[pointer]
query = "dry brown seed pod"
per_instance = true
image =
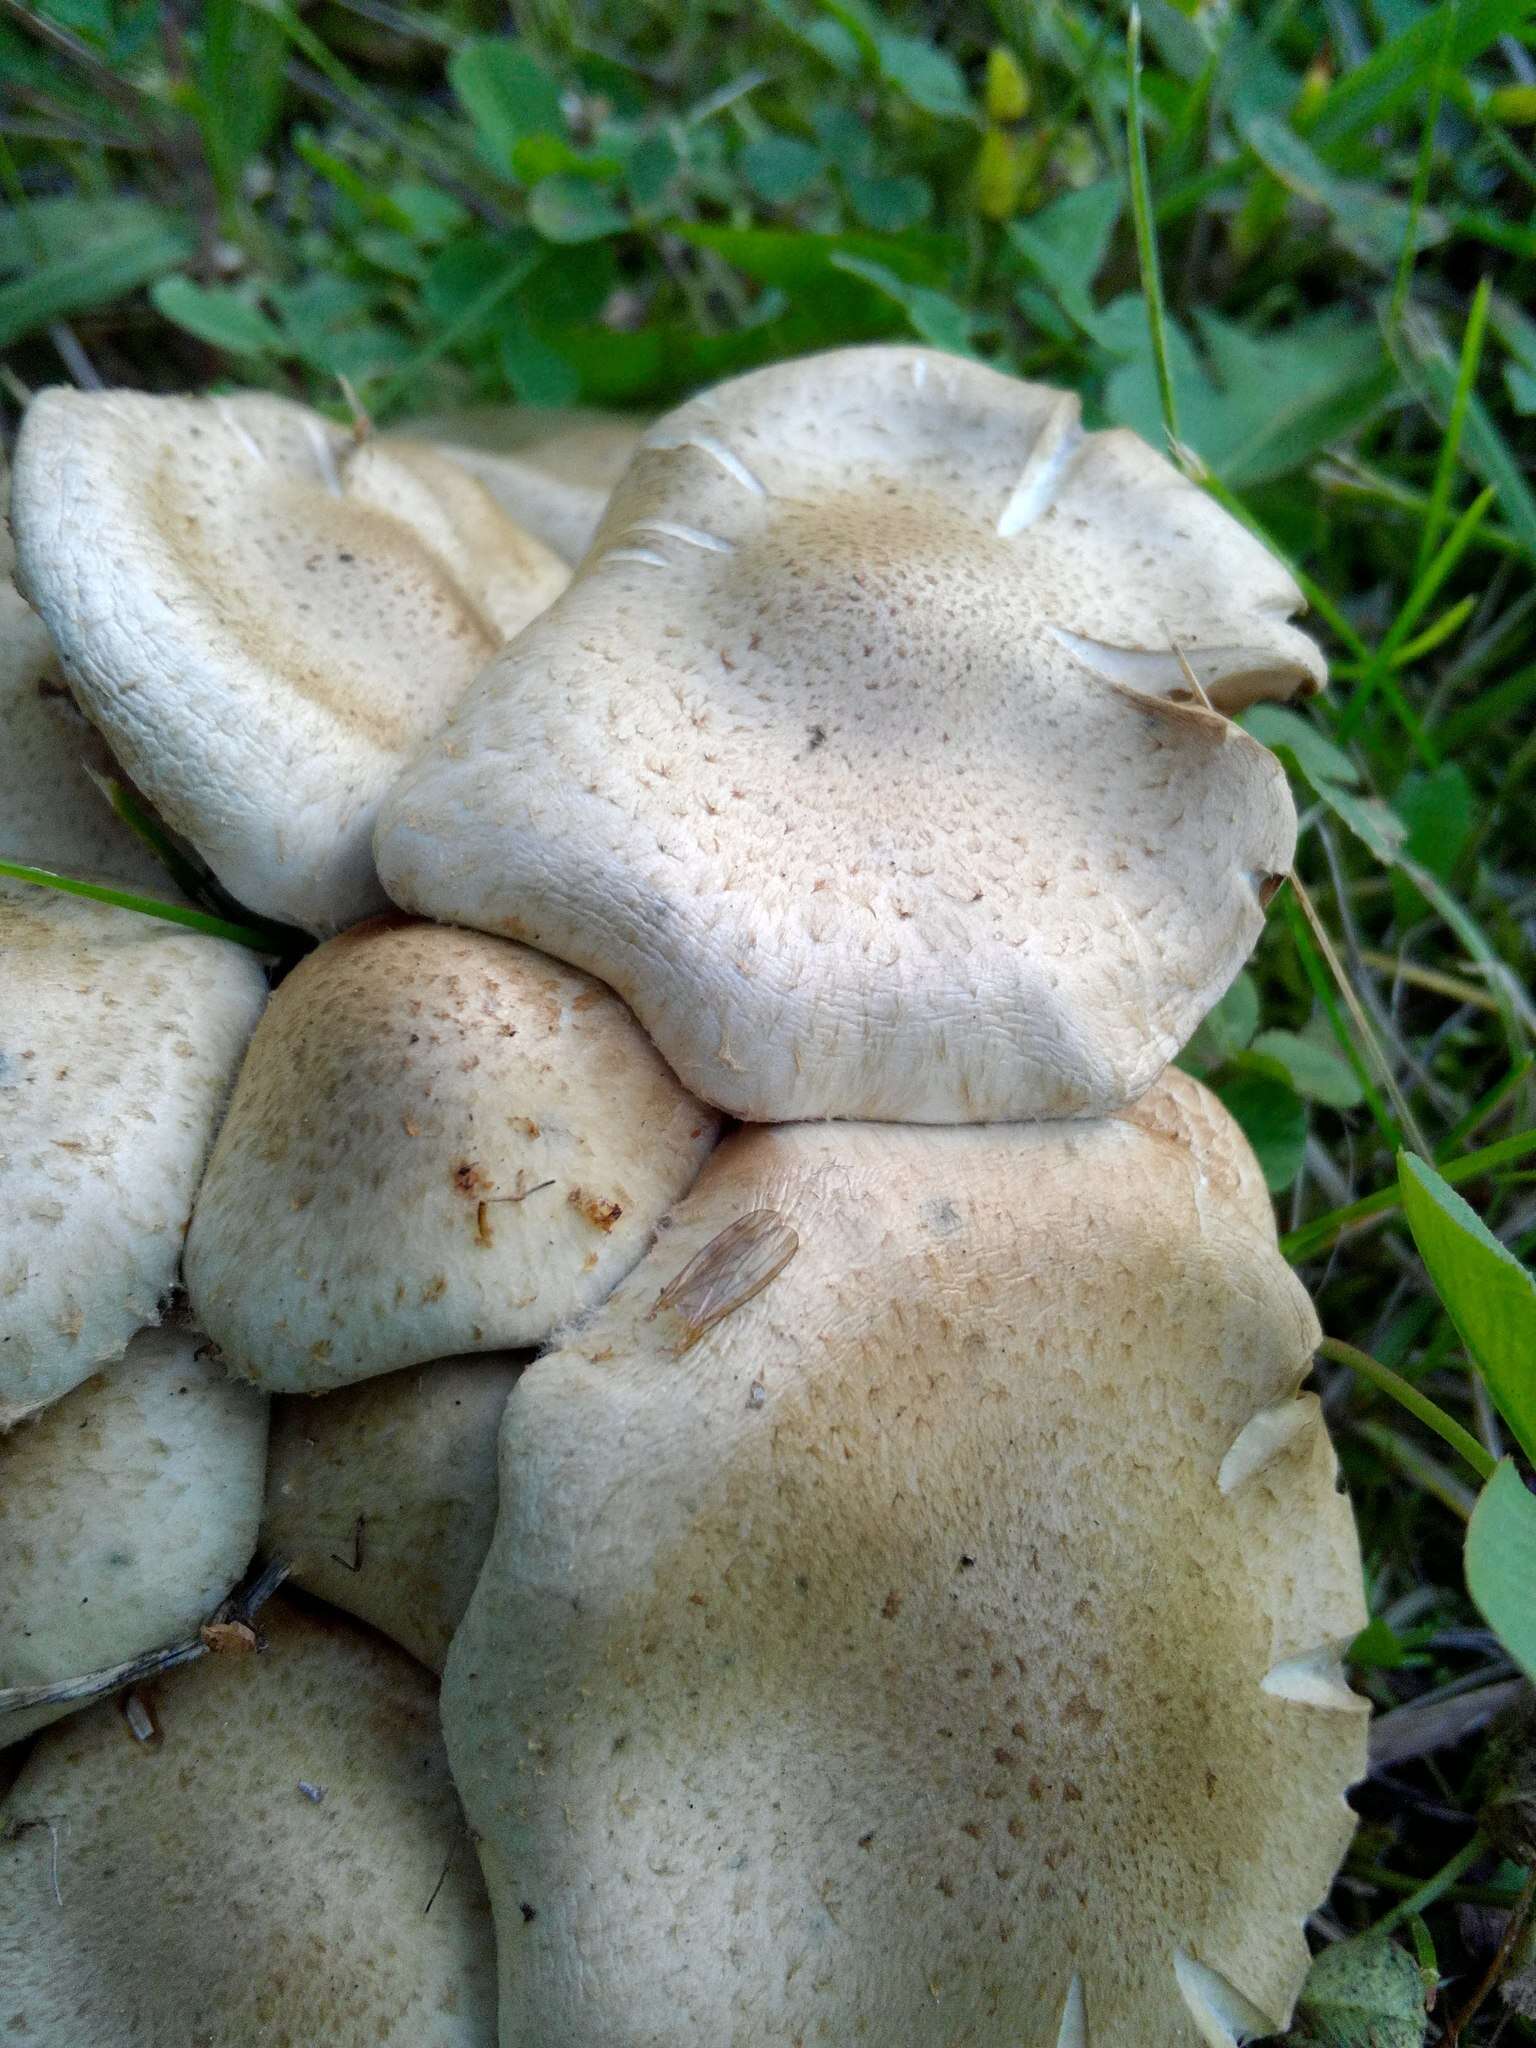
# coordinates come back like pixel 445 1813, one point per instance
pixel 119 1038
pixel 383 1495
pixel 265 617
pixel 861 758
pixel 127 1511
pixel 282 1861
pixel 439 1143
pixel 946 1645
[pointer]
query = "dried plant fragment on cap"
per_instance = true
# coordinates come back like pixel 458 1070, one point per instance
pixel 852 758
pixel 383 1495
pixel 119 1039
pixel 282 1860
pixel 265 617
pixel 945 1645
pixel 127 1512
pixel 551 472
pixel 440 1142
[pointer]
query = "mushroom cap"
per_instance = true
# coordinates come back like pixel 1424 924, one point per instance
pixel 51 814
pixel 204 1896
pixel 383 1495
pixel 853 756
pixel 264 616
pixel 127 1511
pixel 551 472
pixel 439 1143
pixel 119 1038
pixel 914 1611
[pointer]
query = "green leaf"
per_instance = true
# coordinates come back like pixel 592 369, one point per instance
pixel 1487 1293
pixel 217 316
pixel 1228 1029
pixel 1440 811
pixel 567 209
pixel 781 168
pixel 796 261
pixel 1501 1563
pixel 1274 1121
pixel 1066 244
pixel 929 77
pixel 90 278
pixel 1316 1073
pixel 537 373
pixel 507 94
pixel 1329 774
pixel 889 205
pixel 935 317
pixel 1397 73
pixel 1365 1993
pixel 1372 225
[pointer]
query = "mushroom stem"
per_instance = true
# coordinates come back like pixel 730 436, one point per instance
pixel 241 1606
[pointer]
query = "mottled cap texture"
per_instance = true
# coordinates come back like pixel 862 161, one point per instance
pixel 383 1495
pixel 871 753
pixel 915 1612
pixel 550 471
pixel 127 1512
pixel 282 1864
pixel 119 1040
pixel 440 1142
pixel 264 616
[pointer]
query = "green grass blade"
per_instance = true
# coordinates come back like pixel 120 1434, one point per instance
pixel 1146 231
pixel 271 939
pixel 1450 445
pixel 1323 1231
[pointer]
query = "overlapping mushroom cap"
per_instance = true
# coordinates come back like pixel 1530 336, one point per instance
pixel 264 616
pixel 119 1039
pixel 127 1512
pixel 915 1609
pixel 551 472
pixel 440 1142
pixel 864 755
pixel 286 1862
pixel 51 813
pixel 383 1495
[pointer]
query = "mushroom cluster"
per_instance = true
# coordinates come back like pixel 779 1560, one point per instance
pixel 708 1252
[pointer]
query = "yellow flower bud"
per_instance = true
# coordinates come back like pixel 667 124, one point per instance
pixel 998 175
pixel 1007 93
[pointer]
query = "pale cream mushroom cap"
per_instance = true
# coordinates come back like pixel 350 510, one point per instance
pixel 119 1039
pixel 551 472
pixel 128 1510
pixel 852 757
pixel 383 1495
pixel 914 1615
pixel 203 1897
pixel 439 1143
pixel 51 814
pixel 264 617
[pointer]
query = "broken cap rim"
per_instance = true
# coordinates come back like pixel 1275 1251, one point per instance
pixel 849 757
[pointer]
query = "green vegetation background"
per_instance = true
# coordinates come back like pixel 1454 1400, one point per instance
pixel 409 209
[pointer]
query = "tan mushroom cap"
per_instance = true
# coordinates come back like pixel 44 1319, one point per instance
pixel 51 814
pixel 439 1143
pixel 204 1897
pixel 127 1511
pixel 914 1611
pixel 383 1495
pixel 264 617
pixel 119 1039
pixel 550 471
pixel 852 758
